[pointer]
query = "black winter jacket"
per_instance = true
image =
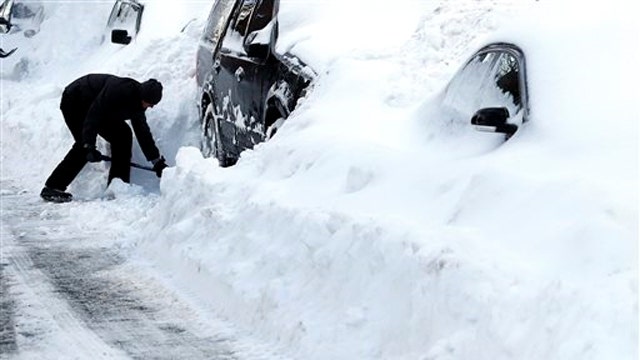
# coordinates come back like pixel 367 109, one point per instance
pixel 109 98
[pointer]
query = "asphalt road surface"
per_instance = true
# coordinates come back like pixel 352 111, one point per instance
pixel 69 292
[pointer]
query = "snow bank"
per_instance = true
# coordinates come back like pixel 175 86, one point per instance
pixel 354 234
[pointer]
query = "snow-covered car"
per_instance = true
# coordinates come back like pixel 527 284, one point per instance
pixel 22 17
pixel 6 8
pixel 124 21
pixel 489 92
pixel 246 88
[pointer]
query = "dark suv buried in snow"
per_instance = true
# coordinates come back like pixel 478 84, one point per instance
pixel 246 88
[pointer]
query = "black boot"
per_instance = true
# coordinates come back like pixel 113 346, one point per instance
pixel 54 195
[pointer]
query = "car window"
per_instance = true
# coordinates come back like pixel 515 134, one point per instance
pixel 262 16
pixel 241 20
pixel 126 15
pixel 217 21
pixel 507 77
pixel 490 79
pixel 6 8
pixel 237 28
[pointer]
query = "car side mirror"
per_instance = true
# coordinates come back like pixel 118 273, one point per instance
pixel 258 51
pixel 120 37
pixel 257 44
pixel 493 119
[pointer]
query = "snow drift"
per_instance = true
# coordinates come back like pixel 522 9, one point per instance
pixel 353 234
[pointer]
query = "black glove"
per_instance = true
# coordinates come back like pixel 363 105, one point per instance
pixel 158 165
pixel 93 155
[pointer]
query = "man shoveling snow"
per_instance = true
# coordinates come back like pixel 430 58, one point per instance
pixel 99 104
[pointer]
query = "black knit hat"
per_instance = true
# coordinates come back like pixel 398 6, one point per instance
pixel 151 91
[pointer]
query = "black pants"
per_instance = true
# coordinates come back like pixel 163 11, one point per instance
pixel 117 133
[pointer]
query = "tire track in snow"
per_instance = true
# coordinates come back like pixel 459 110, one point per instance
pixel 91 296
pixel 7 313
pixel 45 325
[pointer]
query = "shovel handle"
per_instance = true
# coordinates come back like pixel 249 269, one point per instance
pixel 132 164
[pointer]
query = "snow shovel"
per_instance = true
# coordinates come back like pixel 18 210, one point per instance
pixel 138 166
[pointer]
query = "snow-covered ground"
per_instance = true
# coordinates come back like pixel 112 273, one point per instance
pixel 364 229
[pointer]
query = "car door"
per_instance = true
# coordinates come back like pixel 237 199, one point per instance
pixel 209 42
pixel 243 70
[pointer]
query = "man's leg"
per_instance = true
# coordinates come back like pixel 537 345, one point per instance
pixel 75 159
pixel 118 134
pixel 68 168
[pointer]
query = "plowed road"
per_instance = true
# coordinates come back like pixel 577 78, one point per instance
pixel 68 292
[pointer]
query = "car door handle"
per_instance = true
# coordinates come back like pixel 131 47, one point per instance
pixel 239 74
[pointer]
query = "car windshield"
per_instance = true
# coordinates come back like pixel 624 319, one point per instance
pixel 5 15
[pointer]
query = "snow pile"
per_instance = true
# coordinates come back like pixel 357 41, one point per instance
pixel 357 234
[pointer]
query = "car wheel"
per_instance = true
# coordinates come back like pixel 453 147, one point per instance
pixel 207 142
pixel 211 144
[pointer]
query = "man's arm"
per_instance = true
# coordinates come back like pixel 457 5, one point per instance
pixel 95 116
pixel 145 139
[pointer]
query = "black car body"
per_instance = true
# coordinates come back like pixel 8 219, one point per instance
pixel 246 88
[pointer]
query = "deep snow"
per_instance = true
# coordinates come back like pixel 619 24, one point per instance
pixel 367 229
